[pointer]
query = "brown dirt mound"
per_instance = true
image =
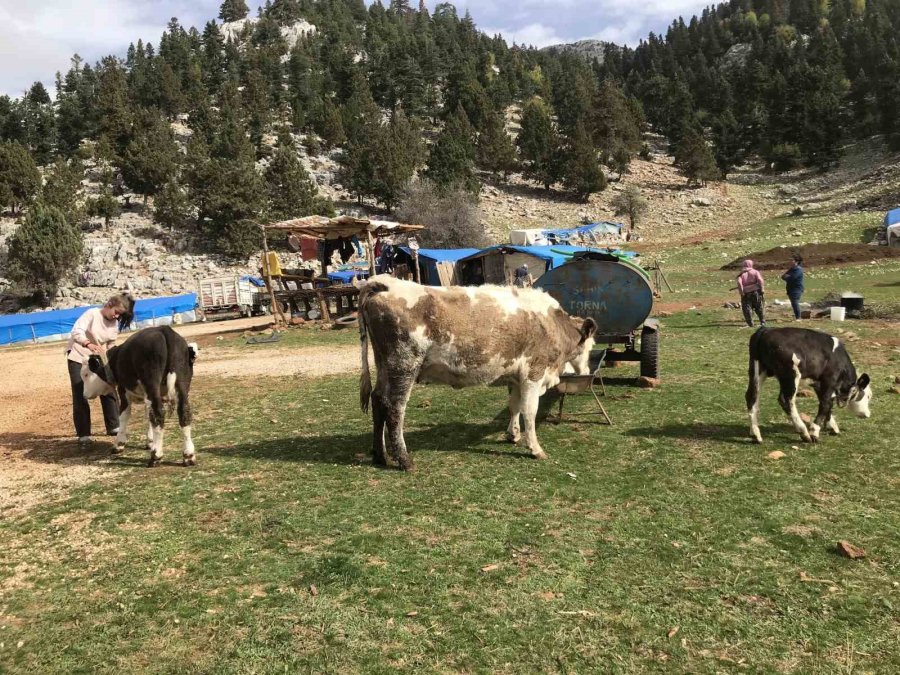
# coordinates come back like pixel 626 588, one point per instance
pixel 815 255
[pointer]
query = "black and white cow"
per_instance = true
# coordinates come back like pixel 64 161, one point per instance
pixel 154 366
pixel 795 354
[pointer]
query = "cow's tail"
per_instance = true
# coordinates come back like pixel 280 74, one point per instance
pixel 367 289
pixel 365 379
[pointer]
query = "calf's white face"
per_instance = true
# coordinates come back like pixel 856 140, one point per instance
pixel 581 363
pixel 860 407
pixel 94 385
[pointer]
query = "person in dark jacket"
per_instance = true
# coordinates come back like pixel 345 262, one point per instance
pixel 793 279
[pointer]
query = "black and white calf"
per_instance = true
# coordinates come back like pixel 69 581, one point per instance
pixel 795 354
pixel 154 366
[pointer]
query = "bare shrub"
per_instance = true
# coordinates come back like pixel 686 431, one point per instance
pixel 452 220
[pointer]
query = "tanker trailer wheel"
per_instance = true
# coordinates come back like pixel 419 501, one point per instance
pixel 650 352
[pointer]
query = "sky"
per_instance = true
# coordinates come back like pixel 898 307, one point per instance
pixel 39 37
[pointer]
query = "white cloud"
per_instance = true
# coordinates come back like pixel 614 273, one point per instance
pixel 533 35
pixel 39 37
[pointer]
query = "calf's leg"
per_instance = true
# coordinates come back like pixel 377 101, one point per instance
pixel 530 398
pixel 788 398
pixel 513 434
pixel 184 421
pixel 124 416
pixel 756 378
pixel 399 389
pixel 379 416
pixel 826 403
pixel 157 424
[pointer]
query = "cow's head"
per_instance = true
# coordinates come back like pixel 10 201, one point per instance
pixel 858 397
pixel 581 352
pixel 97 377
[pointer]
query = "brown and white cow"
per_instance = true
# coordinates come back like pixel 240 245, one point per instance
pixel 463 336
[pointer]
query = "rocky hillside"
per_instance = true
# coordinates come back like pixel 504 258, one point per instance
pixel 136 254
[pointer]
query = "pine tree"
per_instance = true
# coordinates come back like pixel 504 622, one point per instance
pixel 61 188
pixel 233 10
pixel 151 159
pixel 20 179
pixel 227 190
pixel 104 206
pixel 496 151
pixel 630 203
pixel 39 123
pixel 171 207
pixel 727 142
pixel 44 249
pixel 695 159
pixel 451 163
pixel 290 191
pixel 112 108
pixel 285 12
pixel 616 127
pixel 582 173
pixel 539 144
pixel 330 127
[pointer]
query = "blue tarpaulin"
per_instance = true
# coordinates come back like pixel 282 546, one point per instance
pixel 565 234
pixel 554 255
pixel 892 217
pixel 256 281
pixel 58 323
pixel 430 257
pixel 346 276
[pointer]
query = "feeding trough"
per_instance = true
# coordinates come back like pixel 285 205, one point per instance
pixel 618 295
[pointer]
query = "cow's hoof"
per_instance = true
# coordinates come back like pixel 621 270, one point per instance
pixel 189 461
pixel 756 439
pixel 153 461
pixel 379 460
pixel 513 438
pixel 540 454
pixel 118 449
pixel 807 439
pixel 409 467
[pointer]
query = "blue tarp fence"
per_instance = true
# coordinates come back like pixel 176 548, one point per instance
pixel 57 324
pixel 892 217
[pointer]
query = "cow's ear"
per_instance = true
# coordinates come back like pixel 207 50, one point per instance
pixel 863 381
pixel 588 328
pixel 95 365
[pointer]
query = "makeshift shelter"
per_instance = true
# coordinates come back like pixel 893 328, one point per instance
pixel 341 230
pixel 437 266
pixel 57 324
pixel 496 264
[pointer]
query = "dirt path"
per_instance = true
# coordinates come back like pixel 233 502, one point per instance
pixel 39 457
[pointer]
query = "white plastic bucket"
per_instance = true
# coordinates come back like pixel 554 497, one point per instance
pixel 838 313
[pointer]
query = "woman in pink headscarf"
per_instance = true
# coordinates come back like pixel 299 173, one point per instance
pixel 752 289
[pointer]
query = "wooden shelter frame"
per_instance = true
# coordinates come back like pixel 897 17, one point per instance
pixel 324 228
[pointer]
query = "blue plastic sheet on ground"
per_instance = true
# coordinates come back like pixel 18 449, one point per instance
pixel 256 281
pixel 347 276
pixel 58 323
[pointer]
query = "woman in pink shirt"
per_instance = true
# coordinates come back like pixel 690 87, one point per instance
pixel 752 289
pixel 93 332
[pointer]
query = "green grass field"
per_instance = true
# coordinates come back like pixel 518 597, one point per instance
pixel 667 542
